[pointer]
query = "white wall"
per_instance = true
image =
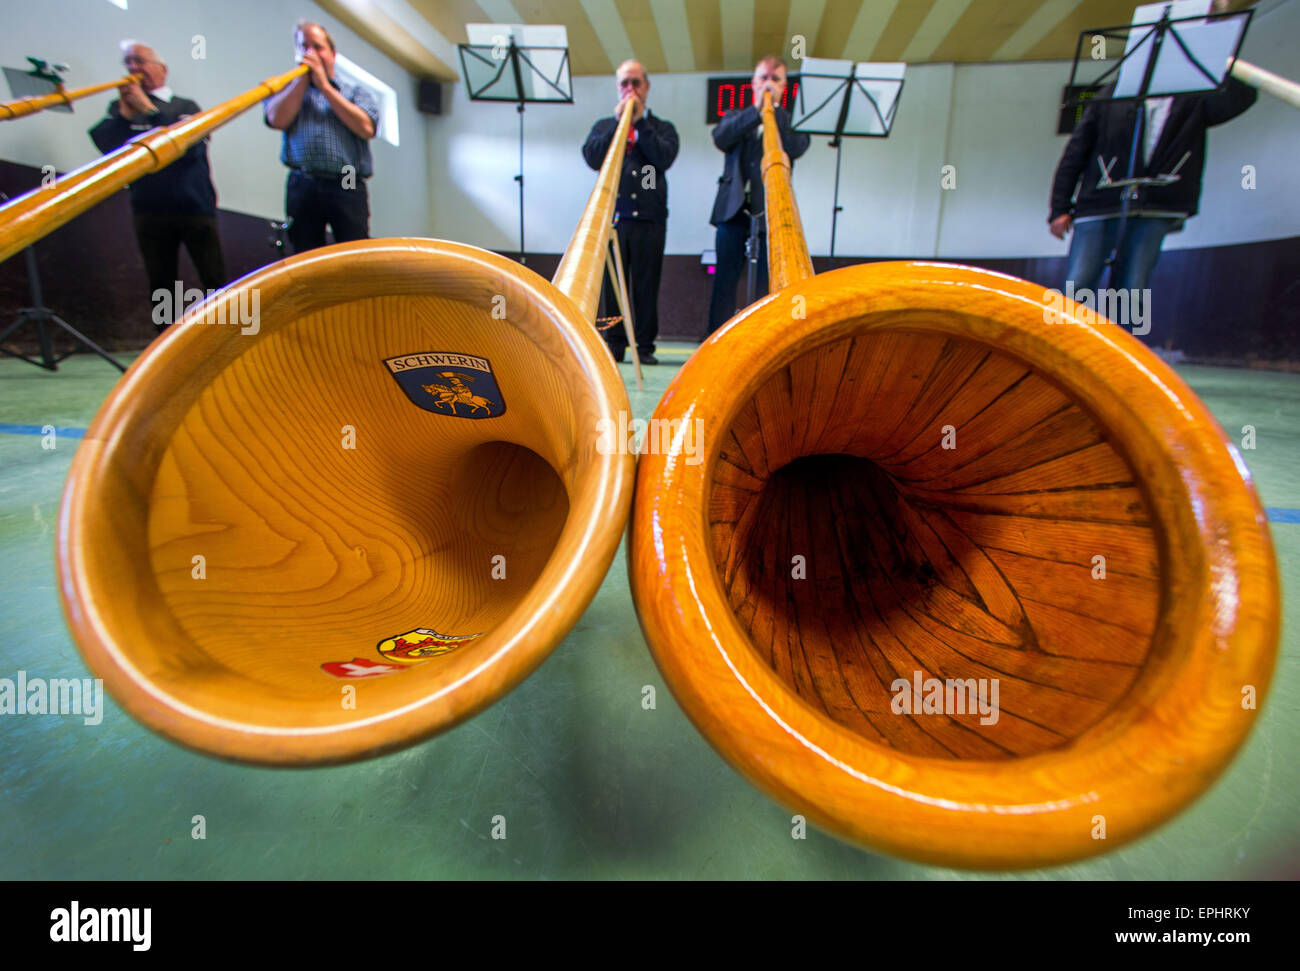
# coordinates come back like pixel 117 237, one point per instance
pixel 453 175
pixel 246 41
pixel 995 122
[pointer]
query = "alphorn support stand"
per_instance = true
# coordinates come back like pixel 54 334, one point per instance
pixel 1175 75
pixel 614 264
pixel 496 68
pixel 42 317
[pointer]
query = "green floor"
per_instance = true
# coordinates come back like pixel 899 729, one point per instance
pixel 590 783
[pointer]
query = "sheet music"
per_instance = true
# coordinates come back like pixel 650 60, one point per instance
pixel 1211 42
pixel 546 58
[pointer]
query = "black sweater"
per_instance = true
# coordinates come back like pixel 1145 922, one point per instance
pixel 1106 131
pixel 185 186
pixel 642 195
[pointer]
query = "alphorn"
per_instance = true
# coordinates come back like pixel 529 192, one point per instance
pixel 22 107
pixel 958 583
pixel 1274 84
pixel 387 477
pixel 32 215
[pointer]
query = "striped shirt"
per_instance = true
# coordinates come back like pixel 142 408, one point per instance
pixel 317 141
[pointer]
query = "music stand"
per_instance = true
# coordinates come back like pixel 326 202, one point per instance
pixel 1167 49
pixel 41 80
pixel 842 99
pixel 521 64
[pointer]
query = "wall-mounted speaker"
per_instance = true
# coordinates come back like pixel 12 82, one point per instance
pixel 429 97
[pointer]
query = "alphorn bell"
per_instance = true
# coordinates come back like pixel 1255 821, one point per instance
pixel 22 107
pixel 957 583
pixel 389 482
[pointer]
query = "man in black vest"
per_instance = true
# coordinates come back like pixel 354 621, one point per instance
pixel 740 190
pixel 175 205
pixel 641 214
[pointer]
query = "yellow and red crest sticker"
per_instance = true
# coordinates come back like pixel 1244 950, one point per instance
pixel 400 652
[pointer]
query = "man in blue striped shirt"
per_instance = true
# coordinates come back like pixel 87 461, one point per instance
pixel 327 127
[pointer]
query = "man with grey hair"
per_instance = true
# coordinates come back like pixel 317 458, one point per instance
pixel 177 204
pixel 641 213
pixel 327 129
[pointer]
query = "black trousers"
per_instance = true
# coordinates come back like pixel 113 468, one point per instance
pixel 161 234
pixel 311 202
pixel 731 269
pixel 642 246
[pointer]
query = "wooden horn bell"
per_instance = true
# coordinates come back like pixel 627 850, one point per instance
pixel 908 476
pixel 252 514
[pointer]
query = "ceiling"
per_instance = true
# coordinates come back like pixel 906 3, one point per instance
pixel 730 35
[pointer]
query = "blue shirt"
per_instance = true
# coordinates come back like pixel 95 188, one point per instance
pixel 317 141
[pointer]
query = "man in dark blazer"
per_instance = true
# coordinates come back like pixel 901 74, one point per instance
pixel 177 204
pixel 641 214
pixel 1172 140
pixel 740 190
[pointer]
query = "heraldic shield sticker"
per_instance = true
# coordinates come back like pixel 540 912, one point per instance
pixel 447 383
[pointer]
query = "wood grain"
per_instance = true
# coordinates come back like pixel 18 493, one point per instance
pixel 947 465
pixel 332 512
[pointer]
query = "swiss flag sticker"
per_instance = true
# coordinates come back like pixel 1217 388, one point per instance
pixel 358 667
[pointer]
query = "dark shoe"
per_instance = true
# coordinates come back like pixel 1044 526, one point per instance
pixel 618 357
pixel 648 359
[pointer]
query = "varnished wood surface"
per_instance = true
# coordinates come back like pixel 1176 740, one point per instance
pixel 787 250
pixel 232 447
pixel 22 107
pixel 43 210
pixel 1274 84
pixel 582 269
pixel 1121 699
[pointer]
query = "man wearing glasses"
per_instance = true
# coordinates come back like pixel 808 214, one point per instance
pixel 177 204
pixel 641 214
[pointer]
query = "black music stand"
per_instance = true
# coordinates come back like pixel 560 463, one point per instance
pixel 1164 56
pixel 42 317
pixel 510 62
pixel 842 99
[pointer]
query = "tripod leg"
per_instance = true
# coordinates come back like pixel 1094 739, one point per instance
pixel 83 339
pixel 614 262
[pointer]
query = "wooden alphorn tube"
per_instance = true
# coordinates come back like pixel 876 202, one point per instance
pixel 388 475
pixel 948 565
pixel 22 107
pixel 1274 84
pixel 34 214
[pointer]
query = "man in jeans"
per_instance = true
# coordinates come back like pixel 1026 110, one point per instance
pixel 1172 138
pixel 327 129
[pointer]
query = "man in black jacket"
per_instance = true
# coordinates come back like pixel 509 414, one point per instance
pixel 740 189
pixel 175 205
pixel 641 214
pixel 1172 140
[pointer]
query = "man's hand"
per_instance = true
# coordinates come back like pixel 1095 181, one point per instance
pixel 134 102
pixel 638 107
pixel 316 70
pixel 1061 225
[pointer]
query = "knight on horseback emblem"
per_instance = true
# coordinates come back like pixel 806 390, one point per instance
pixel 448 383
